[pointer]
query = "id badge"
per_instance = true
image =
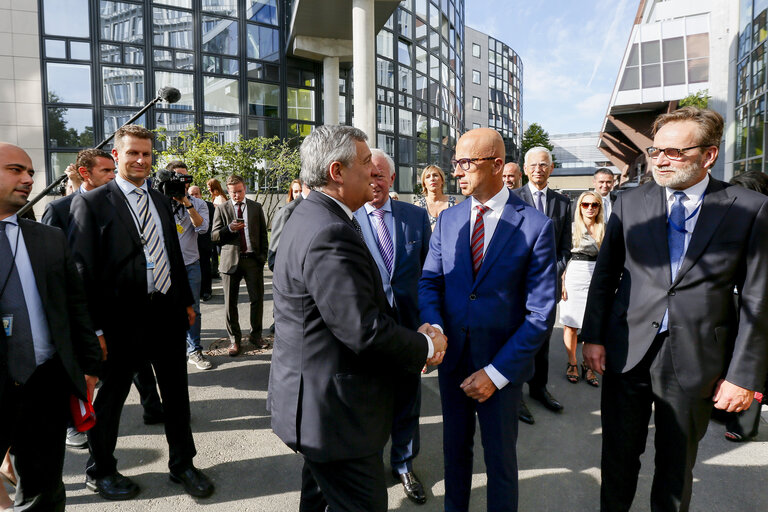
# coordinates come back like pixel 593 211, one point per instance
pixel 148 257
pixel 179 229
pixel 8 324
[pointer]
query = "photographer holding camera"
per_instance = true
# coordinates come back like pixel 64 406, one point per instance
pixel 191 216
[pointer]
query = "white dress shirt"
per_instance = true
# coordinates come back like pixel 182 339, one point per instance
pixel 607 206
pixel 534 192
pixel 248 246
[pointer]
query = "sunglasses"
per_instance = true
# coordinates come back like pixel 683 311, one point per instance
pixel 586 205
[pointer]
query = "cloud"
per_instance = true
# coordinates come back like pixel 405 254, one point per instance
pixel 610 37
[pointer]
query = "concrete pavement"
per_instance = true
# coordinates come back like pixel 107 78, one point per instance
pixel 254 471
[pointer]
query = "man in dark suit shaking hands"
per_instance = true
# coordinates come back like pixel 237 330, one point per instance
pixel 556 206
pixel 338 347
pixel 124 243
pixel 46 341
pixel 662 321
pixel 489 282
pixel 397 234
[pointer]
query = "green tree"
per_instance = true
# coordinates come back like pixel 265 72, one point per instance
pixel 698 99
pixel 60 133
pixel 534 136
pixel 267 164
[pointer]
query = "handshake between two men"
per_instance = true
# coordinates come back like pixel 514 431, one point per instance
pixel 439 342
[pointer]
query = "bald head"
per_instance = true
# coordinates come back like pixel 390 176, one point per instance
pixel 15 178
pixel 481 156
pixel 511 175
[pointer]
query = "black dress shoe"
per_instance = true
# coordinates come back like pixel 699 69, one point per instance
pixel 524 414
pixel 113 487
pixel 412 487
pixel 547 400
pixel 194 481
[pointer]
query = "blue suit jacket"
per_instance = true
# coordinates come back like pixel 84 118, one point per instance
pixel 411 241
pixel 503 313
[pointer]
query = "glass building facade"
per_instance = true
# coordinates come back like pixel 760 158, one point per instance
pixel 750 144
pixel 104 59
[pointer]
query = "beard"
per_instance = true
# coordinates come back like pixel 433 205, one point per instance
pixel 682 178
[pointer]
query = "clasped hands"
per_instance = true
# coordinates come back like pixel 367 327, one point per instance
pixel 439 342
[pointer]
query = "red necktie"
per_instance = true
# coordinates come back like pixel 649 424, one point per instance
pixel 243 242
pixel 478 239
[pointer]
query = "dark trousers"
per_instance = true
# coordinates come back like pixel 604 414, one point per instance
pixel 204 249
pixel 252 270
pixel 405 422
pixel 498 431
pixel 144 380
pixel 171 375
pixel 681 421
pixel 355 485
pixel 35 427
pixel 541 365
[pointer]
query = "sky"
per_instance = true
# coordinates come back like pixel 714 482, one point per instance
pixel 571 51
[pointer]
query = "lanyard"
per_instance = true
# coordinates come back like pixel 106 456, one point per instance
pixel 13 262
pixel 139 225
pixel 681 229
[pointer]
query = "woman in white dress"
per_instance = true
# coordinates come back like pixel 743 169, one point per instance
pixel 588 232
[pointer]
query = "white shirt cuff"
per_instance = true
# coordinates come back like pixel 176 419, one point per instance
pixel 498 379
pixel 99 332
pixel 430 346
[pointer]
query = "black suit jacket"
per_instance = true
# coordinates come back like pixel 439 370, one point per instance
pixel 57 212
pixel 337 347
pixel 559 210
pixel 278 223
pixel 712 335
pixel 110 258
pixel 61 292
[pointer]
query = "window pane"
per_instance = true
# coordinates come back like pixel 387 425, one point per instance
pixel 634 56
pixel 404 23
pixel 405 80
pixel 404 53
pixel 263 128
pixel 406 177
pixel 475 103
pixel 299 130
pixel 756 126
pixel 405 121
pixel 163 58
pixel 742 83
pixel 219 35
pixel 221 95
pixel 110 53
pixel 263 71
pixel 405 150
pixel 698 70
pixel 421 60
pixel 475 76
pixel 673 49
pixel 115 118
pixel 79 51
pixel 181 81
pixel 55 49
pixel 301 104
pixel 70 127
pixel 385 73
pixel 123 86
pixel 385 116
pixel 674 73
pixel 698 46
pixel 69 83
pixel 421 8
pixel 176 3
pixel 221 7
pixel 174 124
pixel 119 21
pixel 263 43
pixel 133 55
pixel 631 79
pixel 741 133
pixel 68 18
pixel 758 69
pixel 185 60
pixel 384 43
pixel 386 143
pixel 263 11
pixel 651 76
pixel 476 50
pixel 650 51
pixel 226 129
pixel 263 99
pixel 60 161
pixel 172 28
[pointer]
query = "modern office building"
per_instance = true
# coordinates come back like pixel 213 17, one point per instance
pixel 576 160
pixel 73 71
pixel 494 89
pixel 676 48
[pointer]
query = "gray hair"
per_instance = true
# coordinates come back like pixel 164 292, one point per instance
pixel 325 145
pixel 391 163
pixel 538 149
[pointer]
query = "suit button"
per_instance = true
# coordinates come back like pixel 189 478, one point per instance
pixel 655 325
pixel 671 293
pixel 472 297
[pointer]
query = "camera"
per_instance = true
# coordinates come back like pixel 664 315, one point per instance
pixel 172 184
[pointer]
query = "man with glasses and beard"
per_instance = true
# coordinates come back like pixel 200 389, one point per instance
pixel 662 323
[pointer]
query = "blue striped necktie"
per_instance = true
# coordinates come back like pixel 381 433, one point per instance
pixel 161 273
pixel 384 240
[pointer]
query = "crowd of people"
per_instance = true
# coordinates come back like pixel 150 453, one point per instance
pixel 664 287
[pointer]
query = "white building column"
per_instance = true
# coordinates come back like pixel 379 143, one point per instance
pixel 364 62
pixel 330 90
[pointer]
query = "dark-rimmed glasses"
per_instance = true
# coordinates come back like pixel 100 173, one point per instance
pixel 672 153
pixel 464 163
pixel 586 205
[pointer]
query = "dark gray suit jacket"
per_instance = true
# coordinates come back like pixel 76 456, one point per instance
pixel 57 212
pixel 337 347
pixel 278 223
pixel 712 336
pixel 230 241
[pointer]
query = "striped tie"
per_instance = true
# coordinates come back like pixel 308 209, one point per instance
pixel 161 273
pixel 384 240
pixel 478 239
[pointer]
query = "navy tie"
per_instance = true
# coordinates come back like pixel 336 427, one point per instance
pixel 540 201
pixel 676 232
pixel 13 309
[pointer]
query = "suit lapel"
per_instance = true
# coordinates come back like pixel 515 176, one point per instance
pixel 120 205
pixel 398 237
pixel 551 203
pixel 509 223
pixel 527 196
pixel 36 250
pixel 656 224
pixel 713 210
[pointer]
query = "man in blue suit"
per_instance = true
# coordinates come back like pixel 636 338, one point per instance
pixel 397 235
pixel 489 283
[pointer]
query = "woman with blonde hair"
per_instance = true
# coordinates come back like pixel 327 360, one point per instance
pixel 434 200
pixel 294 190
pixel 588 233
pixel 218 197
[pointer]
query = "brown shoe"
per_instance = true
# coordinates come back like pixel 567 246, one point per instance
pixel 234 349
pixel 259 343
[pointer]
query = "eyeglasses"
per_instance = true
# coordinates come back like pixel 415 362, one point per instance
pixel 464 163
pixel 672 153
pixel 539 165
pixel 587 205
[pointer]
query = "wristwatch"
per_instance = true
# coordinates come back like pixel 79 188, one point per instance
pixel 190 206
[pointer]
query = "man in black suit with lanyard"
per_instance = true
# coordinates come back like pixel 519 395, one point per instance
pixel 46 341
pixel 124 243
pixel 556 206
